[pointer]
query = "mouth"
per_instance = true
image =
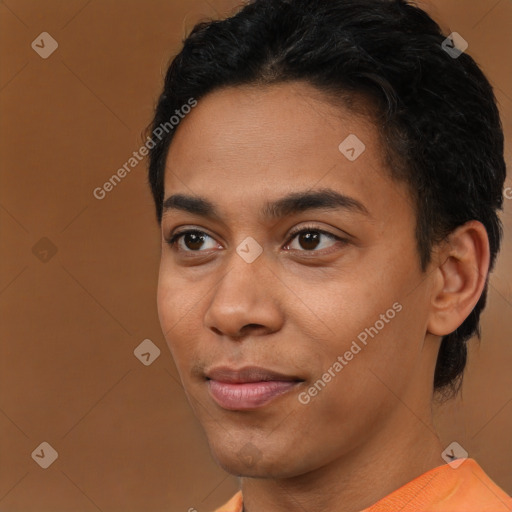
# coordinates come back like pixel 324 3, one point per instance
pixel 248 388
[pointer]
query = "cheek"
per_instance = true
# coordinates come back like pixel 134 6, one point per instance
pixel 171 311
pixel 365 388
pixel 165 305
pixel 176 298
pixel 179 306
pixel 376 324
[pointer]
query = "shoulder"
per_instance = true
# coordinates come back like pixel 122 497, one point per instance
pixel 461 485
pixel 233 505
pixel 477 491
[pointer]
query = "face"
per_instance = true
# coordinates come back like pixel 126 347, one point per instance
pixel 291 298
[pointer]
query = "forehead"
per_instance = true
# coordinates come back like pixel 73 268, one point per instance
pixel 246 143
pixel 277 122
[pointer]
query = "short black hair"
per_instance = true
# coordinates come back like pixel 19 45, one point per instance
pixel 436 112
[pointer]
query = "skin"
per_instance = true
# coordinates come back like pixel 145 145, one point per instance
pixel 295 309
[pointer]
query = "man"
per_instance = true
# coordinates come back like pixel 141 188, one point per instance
pixel 327 194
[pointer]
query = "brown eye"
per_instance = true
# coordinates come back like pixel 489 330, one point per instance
pixel 193 240
pixel 311 238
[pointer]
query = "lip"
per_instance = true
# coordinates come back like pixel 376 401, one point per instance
pixel 249 387
pixel 247 374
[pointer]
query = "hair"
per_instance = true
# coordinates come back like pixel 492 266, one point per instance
pixel 437 115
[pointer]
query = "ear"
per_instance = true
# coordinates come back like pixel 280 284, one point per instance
pixel 462 265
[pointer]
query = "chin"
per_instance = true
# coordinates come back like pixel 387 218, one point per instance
pixel 247 460
pixel 253 470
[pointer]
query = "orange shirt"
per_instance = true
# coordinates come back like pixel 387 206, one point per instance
pixel 442 489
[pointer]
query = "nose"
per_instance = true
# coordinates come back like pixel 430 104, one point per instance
pixel 246 301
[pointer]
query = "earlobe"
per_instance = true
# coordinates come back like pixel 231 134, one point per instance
pixel 460 277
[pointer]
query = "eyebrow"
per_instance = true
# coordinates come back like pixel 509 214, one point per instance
pixel 293 203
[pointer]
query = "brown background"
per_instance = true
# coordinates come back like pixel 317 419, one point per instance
pixel 125 436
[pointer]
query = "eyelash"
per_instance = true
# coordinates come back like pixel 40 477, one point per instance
pixel 304 229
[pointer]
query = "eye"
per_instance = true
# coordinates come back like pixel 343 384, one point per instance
pixel 193 239
pixel 309 238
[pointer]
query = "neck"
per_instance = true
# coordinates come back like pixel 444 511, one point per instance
pixel 356 479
